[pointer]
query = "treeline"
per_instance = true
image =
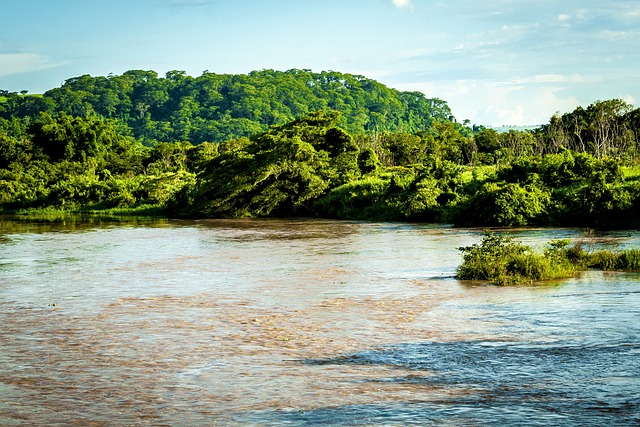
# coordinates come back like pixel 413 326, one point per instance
pixel 218 107
pixel 604 129
pixel 581 169
pixel 310 167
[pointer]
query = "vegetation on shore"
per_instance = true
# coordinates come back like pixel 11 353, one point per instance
pixel 309 144
pixel 499 260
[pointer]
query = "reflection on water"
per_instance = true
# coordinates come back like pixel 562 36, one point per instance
pixel 304 323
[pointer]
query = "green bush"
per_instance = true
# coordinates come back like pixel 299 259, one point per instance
pixel 597 204
pixel 489 259
pixel 364 199
pixel 498 260
pixel 505 204
pixel 628 260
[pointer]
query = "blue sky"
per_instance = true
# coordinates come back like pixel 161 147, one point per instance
pixel 496 62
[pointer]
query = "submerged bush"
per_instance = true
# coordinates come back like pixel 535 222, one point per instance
pixel 497 259
pixel 628 260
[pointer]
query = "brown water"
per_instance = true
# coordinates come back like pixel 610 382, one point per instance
pixel 301 322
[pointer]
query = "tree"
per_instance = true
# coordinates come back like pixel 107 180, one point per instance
pixel 279 172
pixel 216 107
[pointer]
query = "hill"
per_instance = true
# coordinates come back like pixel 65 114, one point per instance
pixel 218 107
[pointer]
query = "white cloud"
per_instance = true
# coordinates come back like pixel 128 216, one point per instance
pixel 402 4
pixel 508 115
pixel 628 99
pixel 563 18
pixel 19 63
pixel 522 106
pixel 617 35
pixel 497 103
pixel 553 79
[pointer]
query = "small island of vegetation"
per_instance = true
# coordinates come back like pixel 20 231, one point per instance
pixel 501 261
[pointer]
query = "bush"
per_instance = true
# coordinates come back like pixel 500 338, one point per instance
pixel 505 204
pixel 499 260
pixel 362 199
pixel 597 204
pixel 488 260
pixel 628 260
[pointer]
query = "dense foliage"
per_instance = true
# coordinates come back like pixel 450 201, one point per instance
pixel 218 107
pixel 400 158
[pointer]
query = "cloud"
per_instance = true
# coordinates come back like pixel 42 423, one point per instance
pixel 554 79
pixel 617 35
pixel 520 105
pixel 497 103
pixel 402 4
pixel 628 99
pixel 19 63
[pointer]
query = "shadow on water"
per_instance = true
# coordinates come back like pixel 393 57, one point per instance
pixel 69 223
pixel 483 383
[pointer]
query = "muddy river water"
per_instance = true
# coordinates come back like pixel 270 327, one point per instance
pixel 302 323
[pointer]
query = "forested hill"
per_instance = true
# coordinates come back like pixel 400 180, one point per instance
pixel 218 107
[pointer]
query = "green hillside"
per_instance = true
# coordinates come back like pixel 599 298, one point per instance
pixel 217 107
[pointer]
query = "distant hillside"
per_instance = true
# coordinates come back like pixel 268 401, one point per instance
pixel 503 129
pixel 218 107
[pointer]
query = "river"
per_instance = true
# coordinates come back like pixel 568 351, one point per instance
pixel 302 323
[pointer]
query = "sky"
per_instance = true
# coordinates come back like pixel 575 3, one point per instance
pixel 495 62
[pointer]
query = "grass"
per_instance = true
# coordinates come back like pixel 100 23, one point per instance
pixel 627 260
pixel 631 173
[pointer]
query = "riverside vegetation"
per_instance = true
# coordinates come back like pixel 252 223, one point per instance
pixel 308 144
pixel 501 261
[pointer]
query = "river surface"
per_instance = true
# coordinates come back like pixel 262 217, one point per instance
pixel 302 323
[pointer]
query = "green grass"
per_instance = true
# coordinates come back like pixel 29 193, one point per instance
pixel 631 173
pixel 143 210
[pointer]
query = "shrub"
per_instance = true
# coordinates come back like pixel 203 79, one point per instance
pixel 598 204
pixel 505 204
pixel 499 260
pixel 361 199
pixel 488 260
pixel 628 260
